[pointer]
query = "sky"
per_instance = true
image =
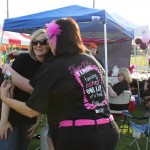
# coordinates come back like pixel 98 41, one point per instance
pixel 136 11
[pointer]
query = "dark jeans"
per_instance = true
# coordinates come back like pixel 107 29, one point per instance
pixel 97 137
pixel 16 140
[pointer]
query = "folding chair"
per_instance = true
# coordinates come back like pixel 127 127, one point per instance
pixel 119 104
pixel 139 129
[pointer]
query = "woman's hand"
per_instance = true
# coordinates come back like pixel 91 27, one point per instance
pixel 5 87
pixel 12 55
pixel 4 127
pixel 32 131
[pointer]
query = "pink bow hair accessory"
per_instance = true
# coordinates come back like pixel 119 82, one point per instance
pixel 53 30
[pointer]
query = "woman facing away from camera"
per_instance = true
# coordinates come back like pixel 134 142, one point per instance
pixel 125 80
pixel 23 69
pixel 71 92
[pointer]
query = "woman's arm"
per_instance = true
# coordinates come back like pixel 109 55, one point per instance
pixel 20 81
pixel 20 107
pixel 34 127
pixel 4 123
pixel 111 92
pixel 5 108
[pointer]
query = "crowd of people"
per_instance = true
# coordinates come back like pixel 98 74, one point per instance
pixel 65 80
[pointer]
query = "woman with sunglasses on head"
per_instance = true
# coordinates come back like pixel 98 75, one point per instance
pixel 17 130
pixel 71 92
pixel 125 80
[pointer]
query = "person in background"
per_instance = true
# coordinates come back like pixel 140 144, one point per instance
pixel 71 92
pixel 26 65
pixel 146 92
pixel 94 51
pixel 124 78
pixel 146 95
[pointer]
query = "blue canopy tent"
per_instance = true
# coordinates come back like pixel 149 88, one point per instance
pixel 93 22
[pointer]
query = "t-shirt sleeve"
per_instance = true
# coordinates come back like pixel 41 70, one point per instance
pixel 38 75
pixel 41 97
pixel 120 87
pixel 18 63
pixel 1 77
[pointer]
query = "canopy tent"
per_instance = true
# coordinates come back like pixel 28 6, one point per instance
pixel 94 23
pixel 93 20
pixel 15 38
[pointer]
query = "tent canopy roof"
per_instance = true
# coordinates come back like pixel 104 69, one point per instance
pixel 83 15
pixel 15 38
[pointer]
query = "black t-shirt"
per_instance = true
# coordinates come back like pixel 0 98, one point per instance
pixel 71 87
pixel 120 87
pixel 38 76
pixel 27 67
pixel 1 80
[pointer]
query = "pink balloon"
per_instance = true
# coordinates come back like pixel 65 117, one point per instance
pixel 145 39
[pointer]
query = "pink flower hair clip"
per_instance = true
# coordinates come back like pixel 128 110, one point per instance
pixel 53 30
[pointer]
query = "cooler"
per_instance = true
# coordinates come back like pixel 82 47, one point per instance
pixel 132 103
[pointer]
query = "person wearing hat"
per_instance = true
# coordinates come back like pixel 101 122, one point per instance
pixel 94 51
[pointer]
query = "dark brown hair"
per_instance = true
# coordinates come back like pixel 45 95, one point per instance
pixel 69 42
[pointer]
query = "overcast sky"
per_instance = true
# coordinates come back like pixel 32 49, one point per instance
pixel 137 11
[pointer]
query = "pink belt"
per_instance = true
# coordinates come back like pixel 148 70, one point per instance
pixel 85 122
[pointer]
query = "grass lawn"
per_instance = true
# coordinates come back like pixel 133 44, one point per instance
pixel 125 137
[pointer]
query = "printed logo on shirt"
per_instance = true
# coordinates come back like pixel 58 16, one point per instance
pixel 90 79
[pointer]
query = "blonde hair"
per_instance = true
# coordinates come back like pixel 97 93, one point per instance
pixel 34 35
pixel 125 72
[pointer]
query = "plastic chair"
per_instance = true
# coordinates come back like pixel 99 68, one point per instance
pixel 119 104
pixel 139 129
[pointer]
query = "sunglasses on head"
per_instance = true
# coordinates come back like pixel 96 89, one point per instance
pixel 42 42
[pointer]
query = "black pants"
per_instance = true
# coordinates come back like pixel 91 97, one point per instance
pixel 97 137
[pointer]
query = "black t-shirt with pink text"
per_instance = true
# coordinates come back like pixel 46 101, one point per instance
pixel 70 87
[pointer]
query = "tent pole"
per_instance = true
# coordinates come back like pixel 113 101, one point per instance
pixel 106 62
pixel 136 72
pixel 93 3
pixel 0 46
